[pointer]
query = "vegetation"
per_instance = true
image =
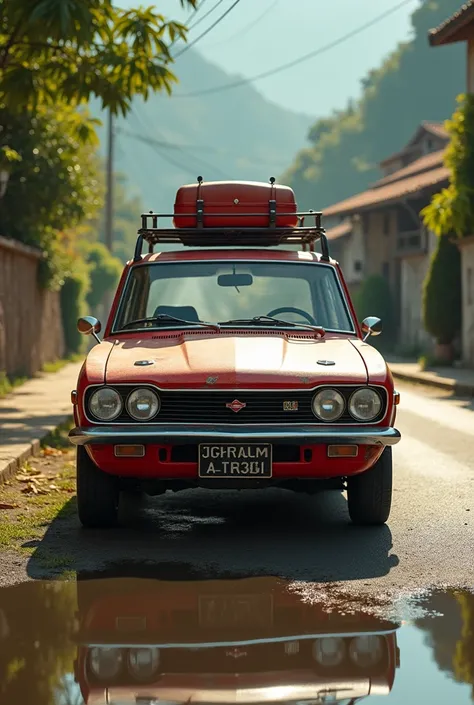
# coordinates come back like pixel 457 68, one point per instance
pixel 414 83
pixel 452 210
pixel 52 51
pixel 374 298
pixel 442 293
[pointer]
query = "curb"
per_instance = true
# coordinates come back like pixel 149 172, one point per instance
pixel 457 388
pixel 9 468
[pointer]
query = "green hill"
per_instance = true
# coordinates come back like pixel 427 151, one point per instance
pixel 234 135
pixel 415 83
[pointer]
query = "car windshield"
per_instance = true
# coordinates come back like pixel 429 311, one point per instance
pixel 233 293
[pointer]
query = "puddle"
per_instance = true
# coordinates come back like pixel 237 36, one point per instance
pixel 141 641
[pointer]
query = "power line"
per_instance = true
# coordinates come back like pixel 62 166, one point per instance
pixel 209 12
pixel 188 20
pixel 300 60
pixel 248 26
pixel 159 146
pixel 209 29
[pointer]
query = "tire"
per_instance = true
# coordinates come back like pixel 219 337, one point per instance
pixel 369 495
pixel 97 494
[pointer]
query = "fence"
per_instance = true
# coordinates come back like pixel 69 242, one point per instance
pixel 30 318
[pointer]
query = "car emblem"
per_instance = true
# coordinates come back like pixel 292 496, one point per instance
pixel 143 363
pixel 326 363
pixel 290 406
pixel 211 380
pixel 236 653
pixel 236 405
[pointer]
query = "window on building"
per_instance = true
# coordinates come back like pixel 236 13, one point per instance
pixel 386 270
pixel 469 286
pixel 358 265
pixel 386 224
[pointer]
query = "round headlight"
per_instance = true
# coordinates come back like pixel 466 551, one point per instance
pixel 366 651
pixel 329 651
pixel 105 663
pixel 328 405
pixel 143 404
pixel 106 404
pixel 143 663
pixel 365 404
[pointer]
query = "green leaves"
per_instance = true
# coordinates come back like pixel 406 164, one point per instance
pixel 71 50
pixel 452 210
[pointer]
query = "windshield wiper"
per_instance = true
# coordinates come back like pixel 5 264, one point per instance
pixel 166 318
pixel 259 320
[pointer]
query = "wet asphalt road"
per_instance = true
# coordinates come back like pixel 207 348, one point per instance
pixel 427 542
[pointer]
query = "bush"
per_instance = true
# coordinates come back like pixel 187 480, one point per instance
pixel 374 298
pixel 104 272
pixel 442 293
pixel 74 305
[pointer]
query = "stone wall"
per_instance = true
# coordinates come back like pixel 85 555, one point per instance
pixel 30 318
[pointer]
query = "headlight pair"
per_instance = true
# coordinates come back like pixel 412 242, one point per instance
pixel 364 651
pixel 142 404
pixel 107 662
pixel 364 404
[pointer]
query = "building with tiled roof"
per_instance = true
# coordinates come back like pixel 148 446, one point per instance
pixel 379 231
pixel 456 28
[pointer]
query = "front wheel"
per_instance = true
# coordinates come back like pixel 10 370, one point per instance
pixel 97 494
pixel 369 495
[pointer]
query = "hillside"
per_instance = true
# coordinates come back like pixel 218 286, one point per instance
pixel 415 83
pixel 235 135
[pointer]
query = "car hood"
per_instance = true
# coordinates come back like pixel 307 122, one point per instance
pixel 230 360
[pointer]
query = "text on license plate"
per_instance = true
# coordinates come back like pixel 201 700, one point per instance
pixel 235 460
pixel 221 611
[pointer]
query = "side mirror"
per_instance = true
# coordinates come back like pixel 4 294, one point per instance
pixel 88 325
pixel 371 326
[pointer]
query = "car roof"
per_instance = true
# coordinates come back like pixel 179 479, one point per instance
pixel 203 254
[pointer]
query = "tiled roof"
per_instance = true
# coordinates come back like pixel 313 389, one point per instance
pixel 339 231
pixel 383 195
pixel 428 161
pixel 437 129
pixel 443 34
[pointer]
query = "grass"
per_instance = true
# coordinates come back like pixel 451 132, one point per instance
pixel 9 382
pixel 57 365
pixel 58 438
pixel 40 493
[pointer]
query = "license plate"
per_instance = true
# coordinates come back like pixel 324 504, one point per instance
pixel 223 611
pixel 235 460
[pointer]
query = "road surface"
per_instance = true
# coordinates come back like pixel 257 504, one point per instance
pixel 427 542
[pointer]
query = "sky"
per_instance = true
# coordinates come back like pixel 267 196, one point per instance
pixel 258 35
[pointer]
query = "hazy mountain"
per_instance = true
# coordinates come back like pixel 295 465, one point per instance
pixel 235 134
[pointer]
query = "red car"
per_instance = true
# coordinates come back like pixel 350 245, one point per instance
pixel 224 641
pixel 234 362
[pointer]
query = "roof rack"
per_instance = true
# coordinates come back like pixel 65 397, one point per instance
pixel 200 236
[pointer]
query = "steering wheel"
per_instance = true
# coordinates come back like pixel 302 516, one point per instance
pixel 290 309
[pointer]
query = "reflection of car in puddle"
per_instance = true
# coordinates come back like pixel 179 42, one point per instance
pixel 225 641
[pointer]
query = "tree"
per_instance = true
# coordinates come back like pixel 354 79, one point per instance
pixel 71 50
pixel 442 296
pixel 374 298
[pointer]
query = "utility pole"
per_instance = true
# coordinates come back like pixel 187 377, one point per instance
pixel 109 204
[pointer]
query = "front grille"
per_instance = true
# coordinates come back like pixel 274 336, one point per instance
pixel 262 407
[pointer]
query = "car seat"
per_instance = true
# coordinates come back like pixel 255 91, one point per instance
pixel 187 313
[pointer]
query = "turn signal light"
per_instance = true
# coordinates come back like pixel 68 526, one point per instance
pixel 396 398
pixel 343 451
pixel 129 451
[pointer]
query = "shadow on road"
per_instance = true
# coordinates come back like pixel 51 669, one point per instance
pixel 225 534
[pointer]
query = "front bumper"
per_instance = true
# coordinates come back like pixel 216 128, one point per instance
pixel 177 434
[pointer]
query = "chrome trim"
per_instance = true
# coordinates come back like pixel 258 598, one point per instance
pixel 175 434
pixel 234 392
pixel 114 331
pixel 248 642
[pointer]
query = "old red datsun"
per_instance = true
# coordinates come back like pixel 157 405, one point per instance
pixel 233 363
